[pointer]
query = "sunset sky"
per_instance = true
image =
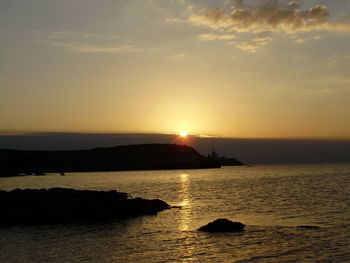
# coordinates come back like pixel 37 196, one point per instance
pixel 221 68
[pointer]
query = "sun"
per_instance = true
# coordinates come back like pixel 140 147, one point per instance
pixel 183 133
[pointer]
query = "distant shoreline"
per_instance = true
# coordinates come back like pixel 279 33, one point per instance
pixel 4 174
pixel 120 158
pixel 250 150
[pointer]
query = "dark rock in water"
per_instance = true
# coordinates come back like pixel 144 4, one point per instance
pixel 62 205
pixel 10 174
pixel 222 225
pixel 309 227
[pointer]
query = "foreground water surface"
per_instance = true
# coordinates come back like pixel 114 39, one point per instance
pixel 271 200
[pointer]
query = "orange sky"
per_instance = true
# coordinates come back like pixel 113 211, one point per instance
pixel 162 66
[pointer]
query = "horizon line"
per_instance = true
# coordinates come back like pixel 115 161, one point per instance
pixel 201 136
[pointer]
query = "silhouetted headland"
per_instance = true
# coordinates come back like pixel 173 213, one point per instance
pixel 119 158
pixel 61 205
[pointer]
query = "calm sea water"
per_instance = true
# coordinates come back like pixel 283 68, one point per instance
pixel 271 200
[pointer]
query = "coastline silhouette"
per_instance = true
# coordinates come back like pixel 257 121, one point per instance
pixel 119 158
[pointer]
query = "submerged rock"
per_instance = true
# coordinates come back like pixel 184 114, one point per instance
pixel 61 205
pixel 222 225
pixel 308 227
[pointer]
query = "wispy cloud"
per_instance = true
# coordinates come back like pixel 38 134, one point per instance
pixel 85 48
pixel 179 56
pixel 262 39
pixel 255 43
pixel 251 46
pixel 303 40
pixel 87 42
pixel 328 84
pixel 206 37
pixel 175 20
pixel 67 34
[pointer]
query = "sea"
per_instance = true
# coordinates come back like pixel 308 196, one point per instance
pixel 271 200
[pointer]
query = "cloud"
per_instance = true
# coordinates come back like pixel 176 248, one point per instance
pixel 269 16
pixel 179 56
pixel 253 26
pixel 175 20
pixel 328 84
pixel 207 37
pixel 336 60
pixel 65 34
pixel 307 39
pixel 262 39
pixel 86 48
pixel 87 42
pixel 251 46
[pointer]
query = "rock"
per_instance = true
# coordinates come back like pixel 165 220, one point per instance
pixel 308 227
pixel 62 205
pixel 9 174
pixel 222 225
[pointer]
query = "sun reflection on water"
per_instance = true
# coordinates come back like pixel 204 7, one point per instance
pixel 187 246
pixel 185 202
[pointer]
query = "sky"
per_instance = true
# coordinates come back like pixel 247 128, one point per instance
pixel 243 69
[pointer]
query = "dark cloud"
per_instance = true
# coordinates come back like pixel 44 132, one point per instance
pixel 269 15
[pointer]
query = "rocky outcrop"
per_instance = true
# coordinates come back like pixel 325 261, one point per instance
pixel 222 225
pixel 223 160
pixel 62 205
pixel 308 227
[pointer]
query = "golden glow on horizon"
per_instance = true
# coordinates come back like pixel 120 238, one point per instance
pixel 183 133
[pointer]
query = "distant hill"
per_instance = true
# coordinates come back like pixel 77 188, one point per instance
pixel 252 151
pixel 119 158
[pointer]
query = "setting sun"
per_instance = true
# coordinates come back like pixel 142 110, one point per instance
pixel 183 133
